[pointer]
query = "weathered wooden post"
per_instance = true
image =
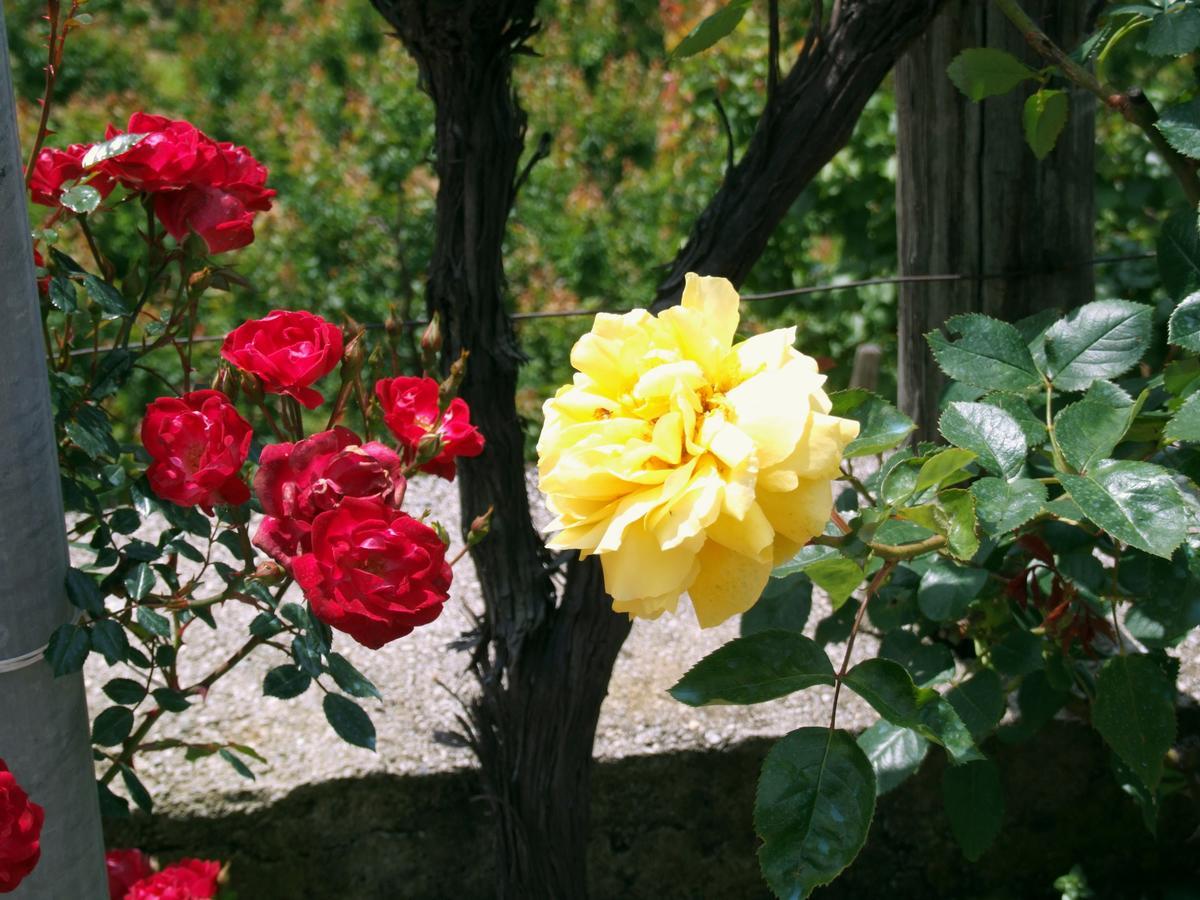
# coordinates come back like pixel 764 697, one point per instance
pixel 44 734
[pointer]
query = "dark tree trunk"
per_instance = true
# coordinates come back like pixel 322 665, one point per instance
pixel 543 665
pixel 973 199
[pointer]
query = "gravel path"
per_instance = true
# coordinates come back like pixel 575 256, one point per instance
pixel 417 676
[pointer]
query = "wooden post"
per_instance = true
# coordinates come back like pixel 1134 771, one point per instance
pixel 44 731
pixel 971 197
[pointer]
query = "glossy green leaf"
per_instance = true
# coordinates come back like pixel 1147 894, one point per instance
pixel 236 764
pixel 139 582
pixel 1179 256
pixel 125 691
pixel 1102 339
pixel 1184 425
pixel 943 469
pixel 785 605
pixel 926 663
pixel 1185 323
pixel 974 802
pixel 881 425
pixel 110 301
pixel 953 515
pixel 1004 506
pixel 1032 427
pixel 1166 604
pixel 979 702
pixel 68 649
pixel 983 72
pixel 84 592
pixel 1017 652
pixel 947 589
pixel 171 701
pixel 1174 32
pixel 1044 118
pixel 99 152
pixel 1088 431
pixel 1180 125
pixel 349 679
pixel 989 432
pixel 1134 711
pixel 112 726
pixel 286 681
pixel 895 753
pixel 62 294
pixel 712 29
pixel 815 801
pixel 1135 502
pixel 988 354
pixel 137 790
pixel 349 720
pixel 109 640
pixel 754 669
pixel 153 622
pixel 82 199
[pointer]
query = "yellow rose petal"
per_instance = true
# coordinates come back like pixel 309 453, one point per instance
pixel 727 583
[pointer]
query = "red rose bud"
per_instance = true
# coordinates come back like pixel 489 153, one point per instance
pixel 431 344
pixel 480 528
pixel 198 444
pixel 288 350
pixel 269 572
pixel 252 387
pixel 20 832
pixel 374 572
pixel 428 448
pixel 411 412
pixel 125 869
pixel 188 879
pixel 297 482
pixel 355 356
pixel 55 167
pixel 227 382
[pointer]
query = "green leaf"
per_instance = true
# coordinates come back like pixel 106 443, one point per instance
pixel 943 468
pixel 62 294
pixel 91 432
pixel 982 72
pixel 82 199
pixel 1038 702
pixel 110 301
pixel 1167 604
pixel 170 700
pixel 286 682
pixel 68 649
pixel 979 702
pixel 953 515
pixel 1135 502
pixel 98 153
pixel 837 576
pixel 926 663
pixel 816 798
pixel 1044 118
pixel 1134 711
pixel 1185 323
pixel 711 29
pixel 109 639
pixel 1005 506
pixel 1016 653
pixel 125 691
pixel 989 432
pixel 947 589
pixel 974 802
pixel 895 753
pixel 1033 428
pixel 784 605
pixel 112 806
pixel 137 790
pixel 888 687
pixel 349 679
pixel 153 622
pixel 238 766
pixel 755 668
pixel 1185 423
pixel 84 593
pixel 112 726
pixel 139 582
pixel 881 425
pixel 1174 32
pixel 1180 125
pixel 1179 256
pixel 989 354
pixel 350 721
pixel 1088 431
pixel 1103 339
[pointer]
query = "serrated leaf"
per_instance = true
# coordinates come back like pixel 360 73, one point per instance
pixel 1174 32
pixel 1184 329
pixel 1044 118
pixel 881 425
pixel 895 753
pixel 953 515
pixel 112 726
pixel 1088 431
pixel 1032 427
pixel 98 153
pixel 1184 425
pixel 82 199
pixel 1004 506
pixel 109 640
pixel 125 691
pixel 974 803
pixel 349 720
pixel 711 29
pixel 153 622
pixel 838 576
pixel 349 679
pixel 62 294
pixel 989 354
pixel 84 593
pixel 170 700
pixel 980 702
pixel 1179 255
pixel 815 801
pixel 286 682
pixel 68 649
pixel 107 297
pixel 943 468
pixel 989 432
pixel 983 72
pixel 947 589
pixel 1180 125
pixel 1135 502
pixel 140 582
pixel 785 605
pixel 926 663
pixel 1134 711
pixel 754 669
pixel 1102 339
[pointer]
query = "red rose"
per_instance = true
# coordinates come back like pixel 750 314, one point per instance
pixel 297 482
pixel 188 879
pixel 374 572
pixel 125 869
pixel 209 187
pixel 54 167
pixel 20 831
pixel 288 350
pixel 410 410
pixel 198 443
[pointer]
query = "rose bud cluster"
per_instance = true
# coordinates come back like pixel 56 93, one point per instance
pixel 212 188
pixel 20 832
pixel 331 502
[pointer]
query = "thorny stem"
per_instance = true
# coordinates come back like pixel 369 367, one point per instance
pixel 891 552
pixel 880 577
pixel 1133 105
pixel 54 60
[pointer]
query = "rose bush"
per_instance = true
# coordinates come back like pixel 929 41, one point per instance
pixel 427 434
pixel 287 351
pixel 20 832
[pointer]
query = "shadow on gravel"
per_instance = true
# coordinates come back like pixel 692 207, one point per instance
pixel 678 826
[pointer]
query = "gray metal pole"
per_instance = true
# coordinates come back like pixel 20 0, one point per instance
pixel 44 731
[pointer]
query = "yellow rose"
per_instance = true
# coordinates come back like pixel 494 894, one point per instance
pixel 689 463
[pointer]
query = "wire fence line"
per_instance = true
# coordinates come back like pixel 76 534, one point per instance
pixel 832 287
